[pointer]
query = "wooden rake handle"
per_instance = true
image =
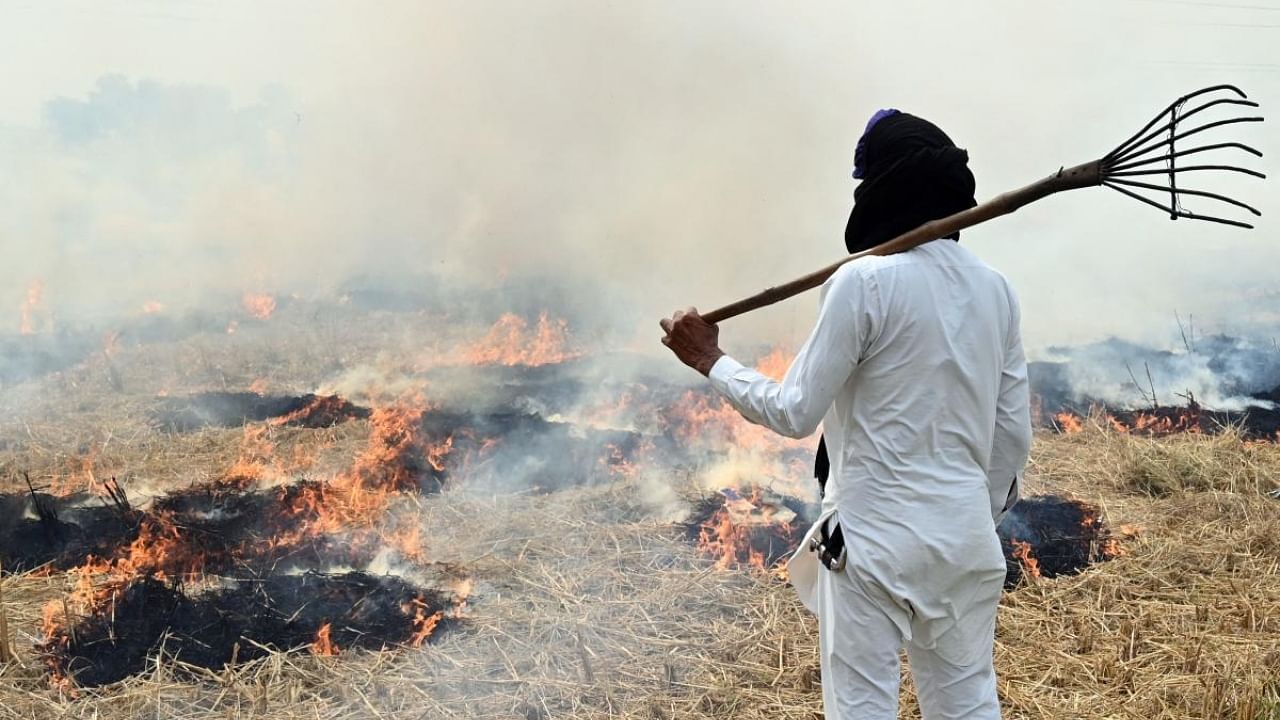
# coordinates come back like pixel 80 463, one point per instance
pixel 1086 175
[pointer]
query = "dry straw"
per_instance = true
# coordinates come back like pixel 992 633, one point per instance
pixel 585 607
pixel 6 654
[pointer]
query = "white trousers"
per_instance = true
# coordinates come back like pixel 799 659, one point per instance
pixel 860 647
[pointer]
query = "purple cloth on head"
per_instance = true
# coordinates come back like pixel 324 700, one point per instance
pixel 859 166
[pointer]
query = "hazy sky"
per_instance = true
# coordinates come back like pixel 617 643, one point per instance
pixel 678 152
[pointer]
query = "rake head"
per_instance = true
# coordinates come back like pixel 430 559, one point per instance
pixel 1154 152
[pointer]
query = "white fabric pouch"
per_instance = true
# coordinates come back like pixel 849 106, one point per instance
pixel 804 565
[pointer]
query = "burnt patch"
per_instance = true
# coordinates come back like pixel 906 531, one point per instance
pixel 1048 536
pixel 214 528
pixel 38 529
pixel 242 620
pixel 233 409
pixel 224 528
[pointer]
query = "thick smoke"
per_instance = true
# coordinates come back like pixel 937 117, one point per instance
pixel 634 157
pixel 1219 372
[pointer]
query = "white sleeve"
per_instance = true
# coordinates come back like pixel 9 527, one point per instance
pixel 1011 443
pixel 795 406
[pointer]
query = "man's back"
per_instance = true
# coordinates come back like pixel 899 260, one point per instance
pixel 913 428
pixel 921 403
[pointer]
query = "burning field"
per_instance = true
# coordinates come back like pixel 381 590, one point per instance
pixel 396 515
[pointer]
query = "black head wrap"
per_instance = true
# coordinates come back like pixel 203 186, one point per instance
pixel 911 173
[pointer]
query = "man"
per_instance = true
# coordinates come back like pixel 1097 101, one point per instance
pixel 916 371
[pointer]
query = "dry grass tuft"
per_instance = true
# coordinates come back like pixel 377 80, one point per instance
pixel 1223 462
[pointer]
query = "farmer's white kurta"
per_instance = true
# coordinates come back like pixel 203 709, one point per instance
pixel 916 371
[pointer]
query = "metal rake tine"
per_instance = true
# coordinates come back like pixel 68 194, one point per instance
pixel 1181 153
pixel 1213 88
pixel 1186 168
pixel 1177 118
pixel 1174 212
pixel 1135 154
pixel 1184 191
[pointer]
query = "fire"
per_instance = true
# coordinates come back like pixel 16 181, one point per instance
pixel 158 551
pixel 776 363
pixel 1184 420
pixel 1111 548
pixel 423 623
pixel 396 434
pixel 81 476
pixel 1157 422
pixel 259 305
pixel 355 500
pixel 324 644
pixel 729 543
pixel 511 342
pixel 1022 551
pixel 354 511
pixel 152 307
pixel 258 386
pixel 257 461
pixel 31 306
pixel 319 408
pixel 1070 423
pixel 708 421
pixel 735 533
pixel 618 464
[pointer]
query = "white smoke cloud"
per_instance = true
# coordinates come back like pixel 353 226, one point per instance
pixel 1219 372
pixel 637 157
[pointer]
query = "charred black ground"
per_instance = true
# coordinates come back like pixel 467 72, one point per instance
pixel 233 409
pixel 1050 536
pixel 241 621
pixel 37 528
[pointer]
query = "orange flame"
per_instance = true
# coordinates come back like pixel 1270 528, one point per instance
pixel 728 534
pixel 357 498
pixel 152 307
pixel 81 476
pixel 1069 422
pixel 323 644
pixel 776 363
pixel 1022 551
pixel 511 342
pixel 259 305
pixel 703 420
pixel 423 623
